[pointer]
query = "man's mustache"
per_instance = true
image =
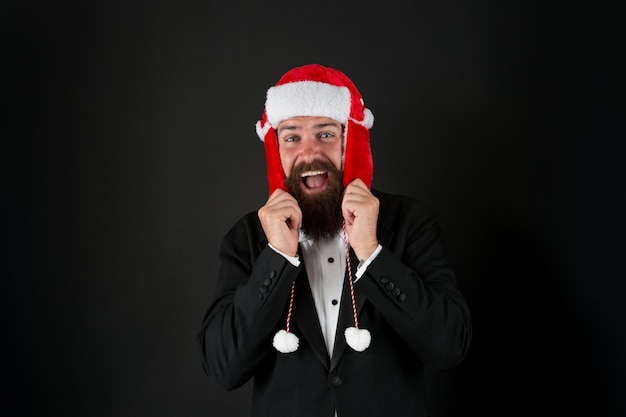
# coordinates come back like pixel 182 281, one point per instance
pixel 316 165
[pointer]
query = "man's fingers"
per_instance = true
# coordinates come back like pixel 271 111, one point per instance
pixel 279 195
pixel 283 207
pixel 358 199
pixel 292 216
pixel 281 219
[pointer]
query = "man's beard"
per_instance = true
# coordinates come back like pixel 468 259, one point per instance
pixel 321 212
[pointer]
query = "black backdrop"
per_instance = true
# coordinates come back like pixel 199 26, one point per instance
pixel 129 150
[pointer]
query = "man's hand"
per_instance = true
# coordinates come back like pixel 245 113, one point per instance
pixel 281 219
pixel 360 212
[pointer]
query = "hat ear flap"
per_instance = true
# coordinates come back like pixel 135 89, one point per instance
pixel 358 161
pixel 275 172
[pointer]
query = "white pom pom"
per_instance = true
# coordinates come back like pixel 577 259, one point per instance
pixel 285 342
pixel 358 339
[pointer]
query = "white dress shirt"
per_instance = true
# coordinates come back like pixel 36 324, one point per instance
pixel 325 263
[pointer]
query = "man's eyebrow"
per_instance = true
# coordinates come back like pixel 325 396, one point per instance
pixel 288 127
pixel 317 126
pixel 323 125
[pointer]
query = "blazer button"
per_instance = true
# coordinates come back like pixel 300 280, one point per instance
pixel 267 282
pixel 390 286
pixel 402 297
pixel 272 274
pixel 264 289
pixel 384 280
pixel 396 291
pixel 336 382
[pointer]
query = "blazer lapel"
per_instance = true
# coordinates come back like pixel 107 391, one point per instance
pixel 305 315
pixel 346 315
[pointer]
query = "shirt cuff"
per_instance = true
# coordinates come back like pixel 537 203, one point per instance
pixel 362 267
pixel 293 260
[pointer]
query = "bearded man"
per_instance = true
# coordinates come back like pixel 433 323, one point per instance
pixel 333 296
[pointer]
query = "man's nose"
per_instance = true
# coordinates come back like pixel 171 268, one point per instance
pixel 310 149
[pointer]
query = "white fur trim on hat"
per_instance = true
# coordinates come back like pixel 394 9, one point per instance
pixel 307 98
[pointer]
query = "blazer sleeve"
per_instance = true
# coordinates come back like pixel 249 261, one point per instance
pixel 251 295
pixel 415 290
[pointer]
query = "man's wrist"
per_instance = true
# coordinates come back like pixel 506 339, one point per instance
pixel 364 254
pixel 294 260
pixel 363 264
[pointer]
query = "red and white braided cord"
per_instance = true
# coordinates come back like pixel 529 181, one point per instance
pixel 293 290
pixel 350 280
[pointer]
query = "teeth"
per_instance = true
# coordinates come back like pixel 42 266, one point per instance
pixel 311 173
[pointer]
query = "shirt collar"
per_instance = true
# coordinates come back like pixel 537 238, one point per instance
pixel 305 238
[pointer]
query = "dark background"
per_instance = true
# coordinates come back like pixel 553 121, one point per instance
pixel 129 150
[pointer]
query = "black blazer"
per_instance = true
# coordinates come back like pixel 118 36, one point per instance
pixel 407 299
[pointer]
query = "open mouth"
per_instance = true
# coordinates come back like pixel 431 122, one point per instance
pixel 314 181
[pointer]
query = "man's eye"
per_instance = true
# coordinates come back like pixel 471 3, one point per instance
pixel 326 135
pixel 290 139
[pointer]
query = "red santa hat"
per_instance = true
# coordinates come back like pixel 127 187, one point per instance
pixel 315 90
